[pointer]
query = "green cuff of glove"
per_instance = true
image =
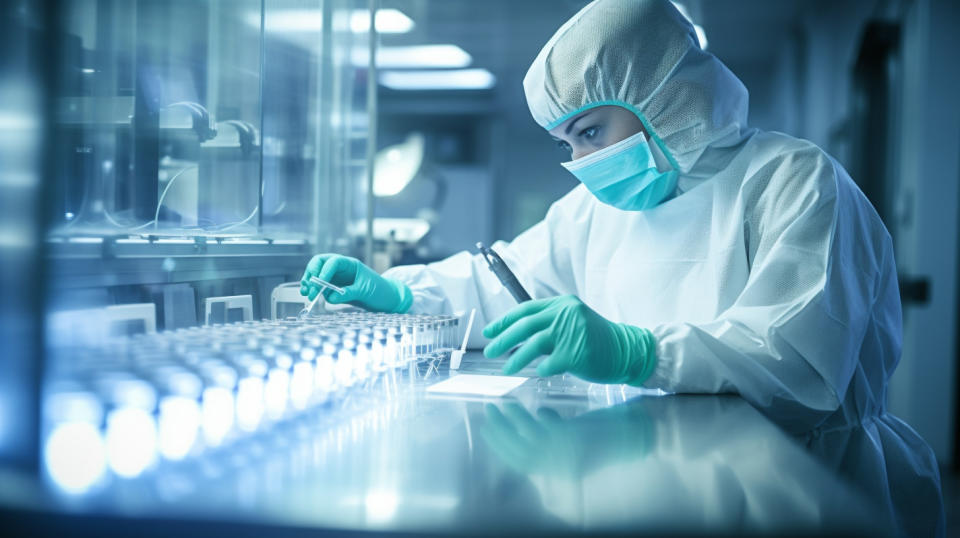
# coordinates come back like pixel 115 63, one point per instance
pixel 406 296
pixel 642 347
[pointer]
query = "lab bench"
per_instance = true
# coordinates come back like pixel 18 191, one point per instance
pixel 555 456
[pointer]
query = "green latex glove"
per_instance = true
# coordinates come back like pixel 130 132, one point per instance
pixel 362 286
pixel 577 340
pixel 547 444
pixel 544 444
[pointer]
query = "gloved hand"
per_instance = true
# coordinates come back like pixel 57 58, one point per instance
pixel 362 286
pixel 577 340
pixel 542 445
pixel 547 444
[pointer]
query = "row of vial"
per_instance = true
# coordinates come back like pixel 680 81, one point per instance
pixel 177 393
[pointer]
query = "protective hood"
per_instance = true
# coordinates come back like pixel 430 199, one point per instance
pixel 642 55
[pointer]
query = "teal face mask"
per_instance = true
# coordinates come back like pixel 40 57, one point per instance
pixel 625 175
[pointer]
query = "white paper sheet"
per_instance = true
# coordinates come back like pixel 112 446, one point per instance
pixel 477 385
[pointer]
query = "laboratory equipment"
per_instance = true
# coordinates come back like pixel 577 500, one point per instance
pixel 507 278
pixel 199 153
pixel 132 404
pixel 324 285
pixel 457 354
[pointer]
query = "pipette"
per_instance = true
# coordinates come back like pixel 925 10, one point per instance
pixel 324 285
pixel 507 278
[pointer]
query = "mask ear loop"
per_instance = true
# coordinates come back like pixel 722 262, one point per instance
pixel 660 145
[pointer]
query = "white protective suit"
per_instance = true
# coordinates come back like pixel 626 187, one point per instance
pixel 768 273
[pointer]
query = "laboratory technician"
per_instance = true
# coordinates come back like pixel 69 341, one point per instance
pixel 697 255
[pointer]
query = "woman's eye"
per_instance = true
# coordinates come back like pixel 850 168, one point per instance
pixel 564 146
pixel 589 132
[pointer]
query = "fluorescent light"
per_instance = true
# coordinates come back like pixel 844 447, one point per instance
pixel 454 79
pixel 10 120
pixel 289 20
pixel 389 21
pixel 245 242
pixel 395 166
pixel 423 56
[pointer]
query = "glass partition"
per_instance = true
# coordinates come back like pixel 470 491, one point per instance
pixel 209 118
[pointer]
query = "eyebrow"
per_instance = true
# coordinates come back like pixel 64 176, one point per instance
pixel 574 122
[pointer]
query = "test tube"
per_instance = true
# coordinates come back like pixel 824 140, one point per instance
pixel 217 402
pixel 74 451
pixel 131 430
pixel 380 360
pixel 276 390
pixel 395 347
pixel 250 392
pixel 179 415
pixel 302 376
pixel 344 368
pixel 409 343
pixel 323 375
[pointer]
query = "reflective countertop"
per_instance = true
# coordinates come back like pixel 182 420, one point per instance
pixel 555 455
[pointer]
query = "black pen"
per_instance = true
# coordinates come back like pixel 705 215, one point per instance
pixel 507 278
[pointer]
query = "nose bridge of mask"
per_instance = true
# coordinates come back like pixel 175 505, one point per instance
pixel 601 154
pixel 623 167
pixel 614 164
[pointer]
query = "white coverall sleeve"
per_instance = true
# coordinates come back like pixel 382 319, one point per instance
pixel 539 257
pixel 792 339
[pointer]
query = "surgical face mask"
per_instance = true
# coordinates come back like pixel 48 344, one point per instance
pixel 625 175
